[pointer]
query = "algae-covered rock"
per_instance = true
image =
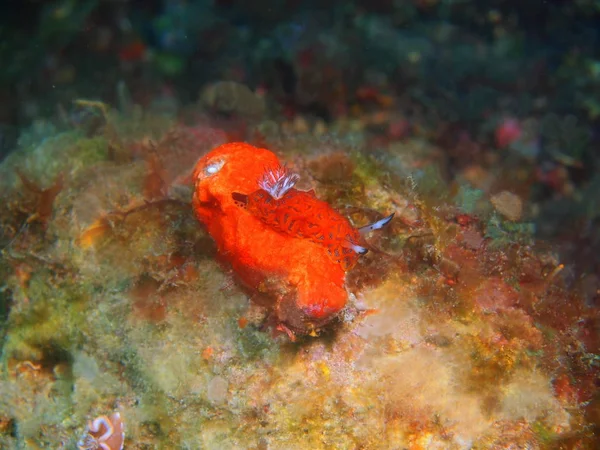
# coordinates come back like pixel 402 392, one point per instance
pixel 229 97
pixel 67 153
pixel 119 303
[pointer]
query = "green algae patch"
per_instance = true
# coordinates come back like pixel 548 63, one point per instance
pixel 367 168
pixel 467 198
pixel 45 315
pixel 68 153
pixel 91 150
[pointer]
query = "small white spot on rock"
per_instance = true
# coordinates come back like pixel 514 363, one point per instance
pixel 217 390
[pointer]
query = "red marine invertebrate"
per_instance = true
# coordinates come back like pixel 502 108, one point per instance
pixel 288 248
pixel 507 132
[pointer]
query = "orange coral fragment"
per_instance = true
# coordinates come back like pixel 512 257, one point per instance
pixel 23 273
pixel 95 231
pixel 207 353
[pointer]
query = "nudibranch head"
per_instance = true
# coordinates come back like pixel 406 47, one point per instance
pixel 229 167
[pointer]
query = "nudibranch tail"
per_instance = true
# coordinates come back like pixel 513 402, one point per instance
pixel 376 225
pixel 356 248
pixel 277 182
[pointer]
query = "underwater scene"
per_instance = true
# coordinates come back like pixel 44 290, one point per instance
pixel 288 225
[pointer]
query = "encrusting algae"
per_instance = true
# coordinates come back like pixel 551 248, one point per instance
pixel 121 307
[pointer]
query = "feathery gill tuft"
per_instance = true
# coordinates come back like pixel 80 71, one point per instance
pixel 278 181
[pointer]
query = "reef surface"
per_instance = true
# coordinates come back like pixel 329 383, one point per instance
pixel 461 332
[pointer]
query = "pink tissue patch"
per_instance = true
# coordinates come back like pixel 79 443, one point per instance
pixel 494 294
pixel 104 433
pixel 399 129
pixel 507 132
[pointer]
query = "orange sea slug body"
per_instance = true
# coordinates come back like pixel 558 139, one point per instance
pixel 286 246
pixel 300 214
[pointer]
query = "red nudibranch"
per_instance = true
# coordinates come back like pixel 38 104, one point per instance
pixel 290 249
